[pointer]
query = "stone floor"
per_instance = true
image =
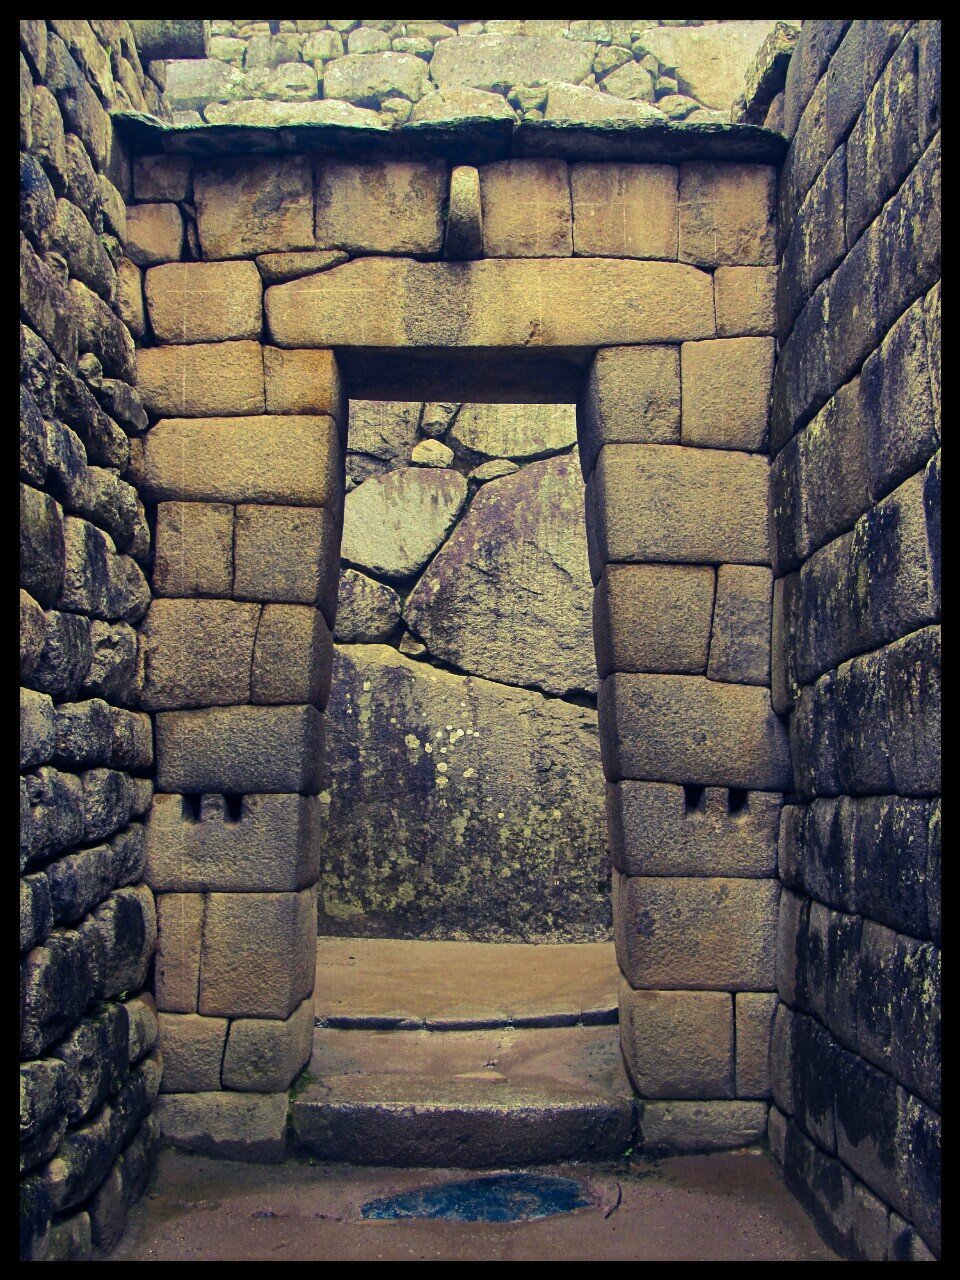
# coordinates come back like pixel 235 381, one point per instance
pixel 730 1207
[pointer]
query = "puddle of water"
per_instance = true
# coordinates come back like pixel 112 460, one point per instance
pixel 508 1197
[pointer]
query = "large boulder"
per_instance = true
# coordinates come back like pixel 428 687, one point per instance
pixel 588 106
pixel 509 597
pixel 517 431
pixel 368 79
pixel 367 610
pixel 499 62
pixel 459 808
pixel 382 434
pixel 393 524
pixel 711 62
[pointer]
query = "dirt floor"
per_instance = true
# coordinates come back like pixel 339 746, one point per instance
pixel 730 1207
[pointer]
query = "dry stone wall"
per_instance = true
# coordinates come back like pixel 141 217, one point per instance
pixel 281 72
pixel 855 505
pixel 89 1069
pixel 464 789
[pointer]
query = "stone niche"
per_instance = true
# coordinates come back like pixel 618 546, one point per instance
pixel 463 780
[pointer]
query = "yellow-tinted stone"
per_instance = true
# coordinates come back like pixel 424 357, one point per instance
pixel 204 301
pixel 678 1044
pixel 198 379
pixel 653 617
pixel 525 207
pixel 381 207
pixel 727 214
pixel 250 205
pixel 194 549
pixel 745 300
pixel 624 210
pixel 726 392
pixel 304 382
pixel 154 233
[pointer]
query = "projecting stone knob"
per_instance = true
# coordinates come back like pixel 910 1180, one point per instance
pixel 464 234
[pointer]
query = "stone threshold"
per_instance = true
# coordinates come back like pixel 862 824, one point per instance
pixel 466 141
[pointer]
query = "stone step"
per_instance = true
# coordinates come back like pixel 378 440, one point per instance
pixel 385 983
pixel 469 1099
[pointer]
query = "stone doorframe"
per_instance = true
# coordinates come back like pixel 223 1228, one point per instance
pixel 670 367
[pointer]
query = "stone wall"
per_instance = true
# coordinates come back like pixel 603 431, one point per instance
pixel 274 72
pixel 855 526
pixel 89 1071
pixel 464 793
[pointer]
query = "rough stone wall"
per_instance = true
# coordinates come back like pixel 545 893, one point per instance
pixel 464 796
pixel 89 1071
pixel 633 69
pixel 855 527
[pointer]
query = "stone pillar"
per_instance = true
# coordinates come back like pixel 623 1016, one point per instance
pixel 673 441
pixel 245 464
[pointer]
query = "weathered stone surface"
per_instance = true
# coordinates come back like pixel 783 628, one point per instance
pixel 275 268
pixel 726 214
pixel 740 642
pixel 51 813
pixel 304 382
pixel 237 1126
pixel 726 392
pixel 292 657
pixel 271 845
pixel 492 470
pixel 381 434
pixel 126 929
pixel 162 178
pixel 678 1044
pixel 192 83
pixel 259 953
pixel 711 61
pixel 631 81
pixel 492 303
pixel 47 1087
pixel 194 549
pixel 36 913
pixel 660 502
pixel 754 1020
pixel 239 749
pixel 526 209
pixel 645 731
pixel 624 210
pixel 521 431
pixel 274 114
pixel 254 205
pixel 378 207
pixel 367 611
pixel 268 1053
pixel 111 662
pixel 141 1025
pixel 204 301
pixel 198 653
pixel 78 882
pixel 586 106
pixel 367 80
pixel 681 1128
pixel 653 617
pixel 431 453
pixel 498 62
pixel 632 395
pixel 57 984
pixel 278 460
pixel 95 1054
pixel 463 236
pixel 193 1048
pixel 177 964
pixel 415 843
pixel 490 603
pixel 744 299
pixel 695 932
pixel 286 554
pixel 459 104
pixel 200 379
pixel 393 524
pixel 154 233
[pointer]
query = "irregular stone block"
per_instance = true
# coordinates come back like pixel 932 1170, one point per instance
pixel 754 1019
pixel 107 802
pixel 57 985
pixel 498 303
pixel 695 932
pixel 585 106
pixel 36 913
pixel 651 617
pixel 740 641
pixel 192 1049
pixel 45 304
pixel 655 831
pixel 95 1055
pixel 744 299
pixel 726 392
pixel 70 1239
pixel 199 379
pixel 42 550
pixel 632 395
pixel 198 653
pixel 726 214
pixel 259 953
pixel 369 79
pixel 239 749
pixel 393 524
pixel 78 882
pixel 177 967
pixel 47 1088
pixel 677 1044
pixel 645 732
pixel 287 554
pixel 464 608
pixel 267 1054
pixel 661 502
pixel 111 662
pixel 498 62
pixel 238 1126
pixel 381 207
pixel 141 1025
pixel 293 656
pixel 682 1128
pixel 275 268
pixel 367 611
pixel 251 205
pixel 204 301
pixel 32 634
pixel 463 236
pixel 127 927
pixel 51 813
pixel 162 178
pixel 293 461
pixel 129 299
pixel 37 729
pixel 304 382
pixel 624 210
pixel 526 210
pixel 272 845
pixel 154 234
pixel 517 431
pixel 194 549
